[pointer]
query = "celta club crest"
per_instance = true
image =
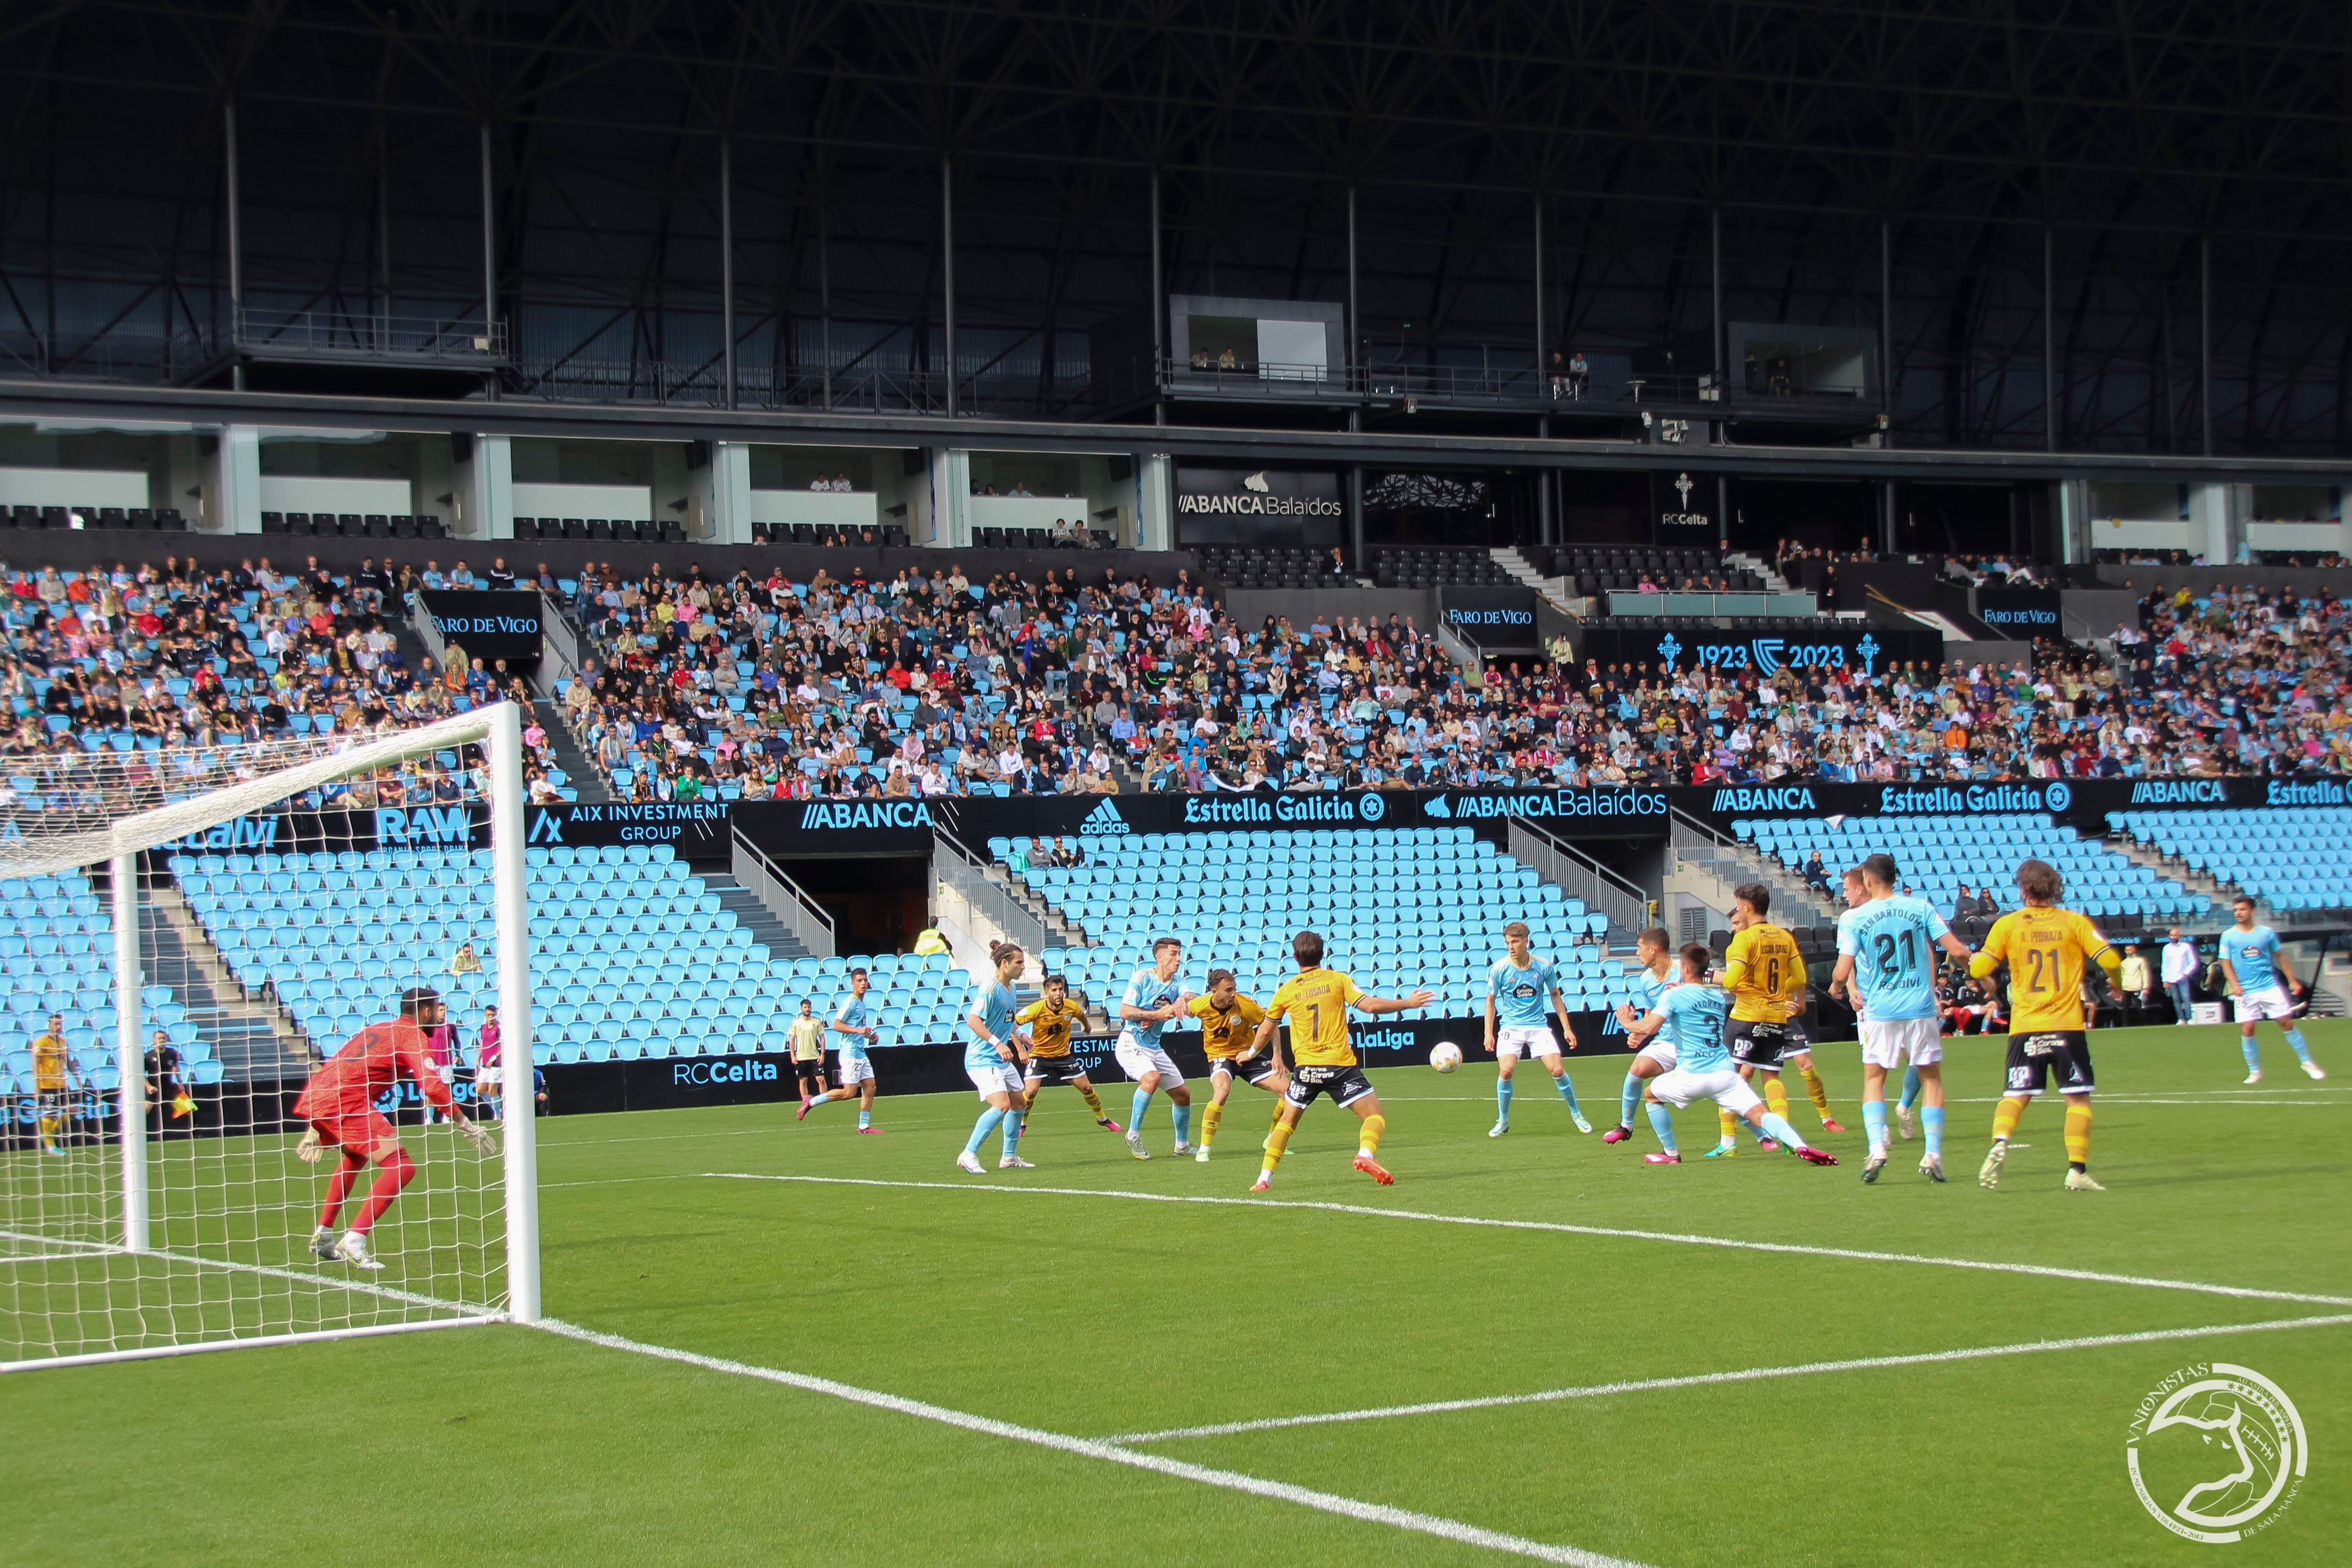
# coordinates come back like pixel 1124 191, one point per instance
pixel 1868 649
pixel 1682 483
pixel 1670 650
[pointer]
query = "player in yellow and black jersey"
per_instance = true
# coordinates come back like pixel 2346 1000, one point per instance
pixel 1229 1023
pixel 53 1083
pixel 1323 1059
pixel 1765 976
pixel 1049 1021
pixel 2047 950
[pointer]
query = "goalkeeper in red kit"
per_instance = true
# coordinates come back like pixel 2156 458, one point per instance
pixel 340 1105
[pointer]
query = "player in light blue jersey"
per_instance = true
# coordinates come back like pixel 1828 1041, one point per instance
pixel 1518 985
pixel 1155 998
pixel 1886 968
pixel 1696 1014
pixel 852 1020
pixel 1654 949
pixel 993 1060
pixel 2264 985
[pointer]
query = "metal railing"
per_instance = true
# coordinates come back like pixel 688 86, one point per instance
pixel 1579 875
pixel 346 332
pixel 1694 843
pixel 782 897
pixel 963 878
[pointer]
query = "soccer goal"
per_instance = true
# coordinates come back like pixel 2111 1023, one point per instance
pixel 192 936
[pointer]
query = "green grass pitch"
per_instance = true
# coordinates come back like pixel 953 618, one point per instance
pixel 1100 1316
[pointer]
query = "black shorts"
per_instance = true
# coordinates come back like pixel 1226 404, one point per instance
pixel 1761 1045
pixel 1345 1085
pixel 2059 1057
pixel 1055 1069
pixel 1256 1069
pixel 810 1067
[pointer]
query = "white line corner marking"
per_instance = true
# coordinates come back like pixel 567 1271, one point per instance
pixel 1095 1449
pixel 2044 1271
pixel 1747 1374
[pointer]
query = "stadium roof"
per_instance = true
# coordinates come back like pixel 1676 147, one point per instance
pixel 2108 144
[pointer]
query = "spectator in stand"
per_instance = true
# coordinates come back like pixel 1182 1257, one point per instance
pixel 2134 982
pixel 2179 965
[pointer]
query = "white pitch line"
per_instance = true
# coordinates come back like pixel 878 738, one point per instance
pixel 1094 1449
pixel 2044 1271
pixel 1748 1375
pixel 390 1293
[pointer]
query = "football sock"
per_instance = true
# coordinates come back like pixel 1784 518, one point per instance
pixel 1777 1126
pixel 1136 1108
pixel 1278 1111
pixel 1502 1099
pixel 1873 1123
pixel 49 1130
pixel 1629 1100
pixel 1182 1116
pixel 865 1118
pixel 1776 1098
pixel 2302 1048
pixel 1729 1125
pixel 1208 1120
pixel 1910 1087
pixel 1368 1141
pixel 2005 1117
pixel 1931 1127
pixel 2253 1054
pixel 338 1188
pixel 981 1128
pixel 1094 1101
pixel 1568 1092
pixel 1013 1122
pixel 1028 1100
pixel 1661 1122
pixel 1818 1090
pixel 2078 1133
pixel 1276 1142
pixel 397 1173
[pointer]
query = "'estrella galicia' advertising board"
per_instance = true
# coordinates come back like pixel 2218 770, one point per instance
pixel 1836 645
pixel 487 624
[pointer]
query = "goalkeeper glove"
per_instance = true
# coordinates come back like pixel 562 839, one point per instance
pixel 309 1150
pixel 483 1142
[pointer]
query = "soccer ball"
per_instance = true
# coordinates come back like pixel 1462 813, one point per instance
pixel 1446 1056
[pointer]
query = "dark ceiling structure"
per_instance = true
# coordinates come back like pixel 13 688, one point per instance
pixel 2117 227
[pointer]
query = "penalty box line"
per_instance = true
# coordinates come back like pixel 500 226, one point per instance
pixel 1704 1379
pixel 1110 1453
pixel 2042 1270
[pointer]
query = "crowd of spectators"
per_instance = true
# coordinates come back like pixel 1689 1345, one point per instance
pixel 922 685
pixel 931 683
pixel 136 661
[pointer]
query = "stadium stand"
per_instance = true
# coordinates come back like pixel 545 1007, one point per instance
pixel 696 982
pixel 1291 566
pixel 1438 568
pixel 1597 569
pixel 2295 859
pixel 56 956
pixel 1936 856
pixel 1399 907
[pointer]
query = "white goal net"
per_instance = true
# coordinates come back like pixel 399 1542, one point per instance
pixel 266 1072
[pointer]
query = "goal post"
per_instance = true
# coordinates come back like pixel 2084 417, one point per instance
pixel 260 906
